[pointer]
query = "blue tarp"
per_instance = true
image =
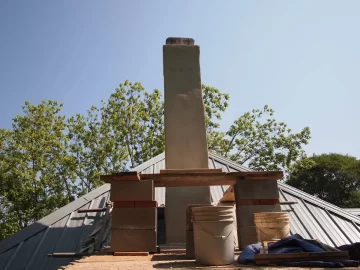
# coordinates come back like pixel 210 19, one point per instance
pixel 292 244
pixel 353 249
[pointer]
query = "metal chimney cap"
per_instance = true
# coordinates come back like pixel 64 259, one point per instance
pixel 180 41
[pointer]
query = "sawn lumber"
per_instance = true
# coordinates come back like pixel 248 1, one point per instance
pixel 199 179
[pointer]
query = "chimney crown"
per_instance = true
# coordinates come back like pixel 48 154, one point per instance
pixel 180 41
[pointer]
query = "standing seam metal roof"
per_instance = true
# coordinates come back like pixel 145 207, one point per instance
pixel 65 230
pixel 354 211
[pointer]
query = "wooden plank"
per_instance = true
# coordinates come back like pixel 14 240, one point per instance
pixel 184 171
pixel 106 178
pixel 267 175
pixel 185 175
pixel 193 181
pixel 126 176
pixel 172 251
pixel 200 178
pixel 208 179
pixel 146 204
pixel 124 204
pixel 267 259
pixel 131 253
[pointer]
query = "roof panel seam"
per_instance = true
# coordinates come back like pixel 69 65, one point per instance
pixel 60 238
pixel 338 226
pixel 295 213
pixel 319 223
pixel 38 247
pixel 13 256
pixel 318 202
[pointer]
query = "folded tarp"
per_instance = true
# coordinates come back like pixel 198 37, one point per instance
pixel 293 244
pixel 353 249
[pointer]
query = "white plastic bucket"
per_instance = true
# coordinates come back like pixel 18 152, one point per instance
pixel 272 225
pixel 213 235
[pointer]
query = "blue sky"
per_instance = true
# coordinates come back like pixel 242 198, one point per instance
pixel 299 57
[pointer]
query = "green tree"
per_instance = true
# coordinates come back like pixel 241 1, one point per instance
pixel 127 130
pixel 215 103
pixel 88 148
pixel 334 178
pixel 36 176
pixel 131 128
pixel 260 142
pixel 133 119
pixel 7 218
pixel 132 125
pixel 47 160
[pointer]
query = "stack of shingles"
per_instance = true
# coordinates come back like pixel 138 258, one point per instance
pixel 134 214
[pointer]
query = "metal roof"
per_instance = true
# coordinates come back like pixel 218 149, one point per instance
pixel 61 231
pixel 354 211
pixel 65 230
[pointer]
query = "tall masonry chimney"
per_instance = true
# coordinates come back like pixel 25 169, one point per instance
pixel 185 131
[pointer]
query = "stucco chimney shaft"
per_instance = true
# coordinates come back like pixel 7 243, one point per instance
pixel 185 131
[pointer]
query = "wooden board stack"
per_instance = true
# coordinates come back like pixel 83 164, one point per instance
pixel 275 259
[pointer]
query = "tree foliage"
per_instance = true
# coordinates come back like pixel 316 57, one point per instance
pixel 35 174
pixel 87 150
pixel 48 160
pixel 334 178
pixel 258 141
pixel 132 120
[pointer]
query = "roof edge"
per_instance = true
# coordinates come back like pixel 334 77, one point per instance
pixel 230 162
pixel 149 163
pixel 50 219
pixel 318 202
